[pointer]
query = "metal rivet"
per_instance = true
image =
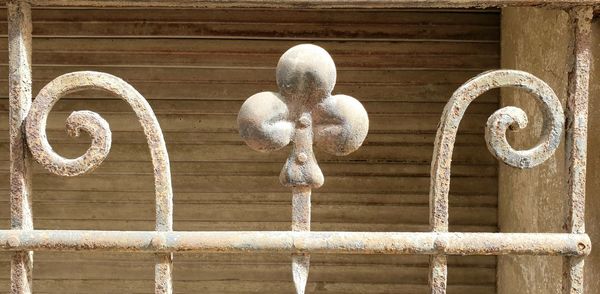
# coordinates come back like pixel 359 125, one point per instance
pixel 13 241
pixel 302 157
pixel 304 121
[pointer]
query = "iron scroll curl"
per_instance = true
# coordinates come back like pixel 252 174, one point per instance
pixel 495 132
pixel 99 131
pixel 495 136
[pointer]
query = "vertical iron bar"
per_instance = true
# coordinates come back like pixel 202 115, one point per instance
pixel 438 264
pixel 438 270
pixel 301 208
pixel 163 269
pixel 438 274
pixel 19 51
pixel 438 220
pixel 576 140
pixel 438 212
pixel 163 273
pixel 300 222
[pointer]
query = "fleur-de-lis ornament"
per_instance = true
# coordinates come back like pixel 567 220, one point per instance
pixel 304 113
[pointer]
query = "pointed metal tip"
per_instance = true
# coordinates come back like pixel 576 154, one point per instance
pixel 300 266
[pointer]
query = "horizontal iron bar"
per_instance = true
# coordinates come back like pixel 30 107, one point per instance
pixel 316 3
pixel 427 243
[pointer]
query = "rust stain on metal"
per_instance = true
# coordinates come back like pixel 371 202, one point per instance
pixel 301 214
pixel 495 136
pixel 99 131
pixel 304 113
pixel 495 132
pixel 577 113
pixel 19 83
pixel 576 140
pixel 409 243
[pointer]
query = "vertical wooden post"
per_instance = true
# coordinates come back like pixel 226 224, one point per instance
pixel 19 50
pixel 576 140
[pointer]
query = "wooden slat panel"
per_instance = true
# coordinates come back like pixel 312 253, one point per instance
pixel 197 225
pixel 227 122
pixel 233 138
pixel 214 90
pixel 261 24
pixel 388 169
pixel 244 212
pixel 259 75
pixel 205 106
pixel 329 271
pixel 260 53
pixel 196 67
pixel 186 183
pixel 266 16
pixel 259 48
pixel 199 197
pixel 416 153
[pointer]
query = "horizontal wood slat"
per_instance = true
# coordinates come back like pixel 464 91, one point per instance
pixel 417 153
pixel 424 92
pixel 315 4
pixel 212 225
pixel 244 212
pixel 263 49
pixel 265 16
pixel 260 53
pixel 227 122
pixel 185 183
pixel 205 106
pixel 386 169
pixel 261 24
pixel 329 271
pixel 233 138
pixel 196 67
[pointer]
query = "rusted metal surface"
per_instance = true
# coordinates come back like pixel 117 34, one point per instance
pixel 577 116
pixel 100 134
pixel 423 243
pixel 576 140
pixel 305 113
pixel 438 274
pixel 301 212
pixel 19 47
pixel 317 3
pixel 495 136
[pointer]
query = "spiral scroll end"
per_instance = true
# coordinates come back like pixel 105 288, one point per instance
pixel 87 121
pixel 514 119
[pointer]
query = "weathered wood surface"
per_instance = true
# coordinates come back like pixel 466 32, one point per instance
pixel 196 67
pixel 243 274
pixel 356 4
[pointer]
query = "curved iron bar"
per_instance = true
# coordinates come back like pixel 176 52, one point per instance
pixel 495 137
pixel 99 131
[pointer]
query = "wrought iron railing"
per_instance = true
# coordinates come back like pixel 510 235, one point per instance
pixel 303 113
